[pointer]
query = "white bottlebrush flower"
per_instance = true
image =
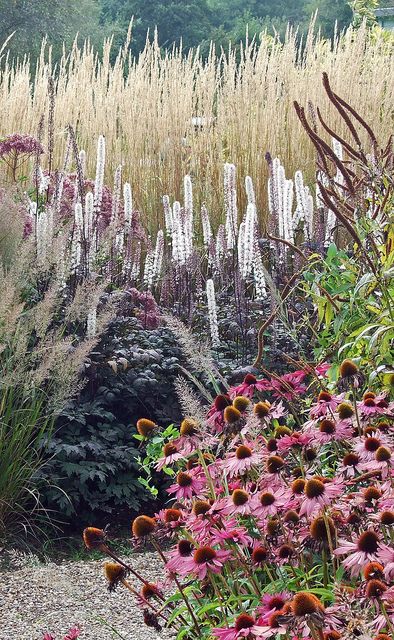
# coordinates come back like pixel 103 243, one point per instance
pixel 241 246
pixel 220 247
pixel 167 215
pixel 280 201
pixel 116 193
pixel 158 255
pixel 230 200
pixel 206 225
pixel 91 323
pixel 100 165
pixel 128 205
pixel 89 216
pixel 82 161
pixel 249 237
pixel 148 269
pixel 304 209
pixel 250 190
pixel 178 235
pixel 258 273
pixel 188 217
pixel 43 181
pixel 76 247
pixel 212 313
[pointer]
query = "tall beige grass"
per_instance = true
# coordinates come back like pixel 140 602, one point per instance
pixel 145 109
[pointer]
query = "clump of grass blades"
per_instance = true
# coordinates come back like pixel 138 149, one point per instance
pixel 24 429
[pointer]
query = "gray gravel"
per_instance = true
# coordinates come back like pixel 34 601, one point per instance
pixel 35 598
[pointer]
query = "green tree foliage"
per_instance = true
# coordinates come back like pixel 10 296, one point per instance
pixel 190 21
pixel 59 20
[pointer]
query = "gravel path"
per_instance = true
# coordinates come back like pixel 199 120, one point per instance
pixel 50 597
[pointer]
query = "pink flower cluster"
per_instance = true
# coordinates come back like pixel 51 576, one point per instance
pixel 281 494
pixel 280 521
pixel 20 144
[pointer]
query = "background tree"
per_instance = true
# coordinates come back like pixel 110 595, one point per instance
pixel 190 21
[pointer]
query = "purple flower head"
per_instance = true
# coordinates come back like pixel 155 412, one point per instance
pixel 20 144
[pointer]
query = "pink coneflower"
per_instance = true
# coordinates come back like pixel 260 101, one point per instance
pixel 326 403
pixel 206 559
pixel 176 558
pixel 245 626
pixel 239 502
pixel 328 430
pixel 170 455
pixel 215 416
pixel 270 501
pixel 367 446
pixel 296 439
pixel 373 406
pixel 318 494
pixel 272 603
pixel 241 460
pixel 350 466
pixel 172 518
pixel 383 462
pixel 249 386
pixel 232 532
pixel 368 548
pixel 187 485
pixel 289 385
pixel 321 369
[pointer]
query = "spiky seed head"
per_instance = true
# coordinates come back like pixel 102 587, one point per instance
pixel 189 427
pixel 348 368
pixel 169 449
pixel 324 396
pixel 204 554
pixel 93 538
pixel 145 427
pixel 383 454
pixel 319 529
pixel 262 409
pixel 231 415
pixel 305 603
pixel 149 590
pixel 259 555
pixel 327 426
pixel 275 464
pixel 373 570
pixel 351 460
pixel 239 497
pixel 243 452
pixel 298 486
pixel 282 431
pixel 368 542
pixel 184 479
pixel 273 526
pixel 291 516
pixel 375 588
pixel 314 488
pixel 172 515
pixel 387 518
pixel 201 507
pixel 241 403
pixel 345 410
pixel 115 573
pixel 143 526
pixel 185 548
pixel 244 621
pixel 272 445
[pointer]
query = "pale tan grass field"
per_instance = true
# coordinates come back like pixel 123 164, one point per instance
pixel 145 108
